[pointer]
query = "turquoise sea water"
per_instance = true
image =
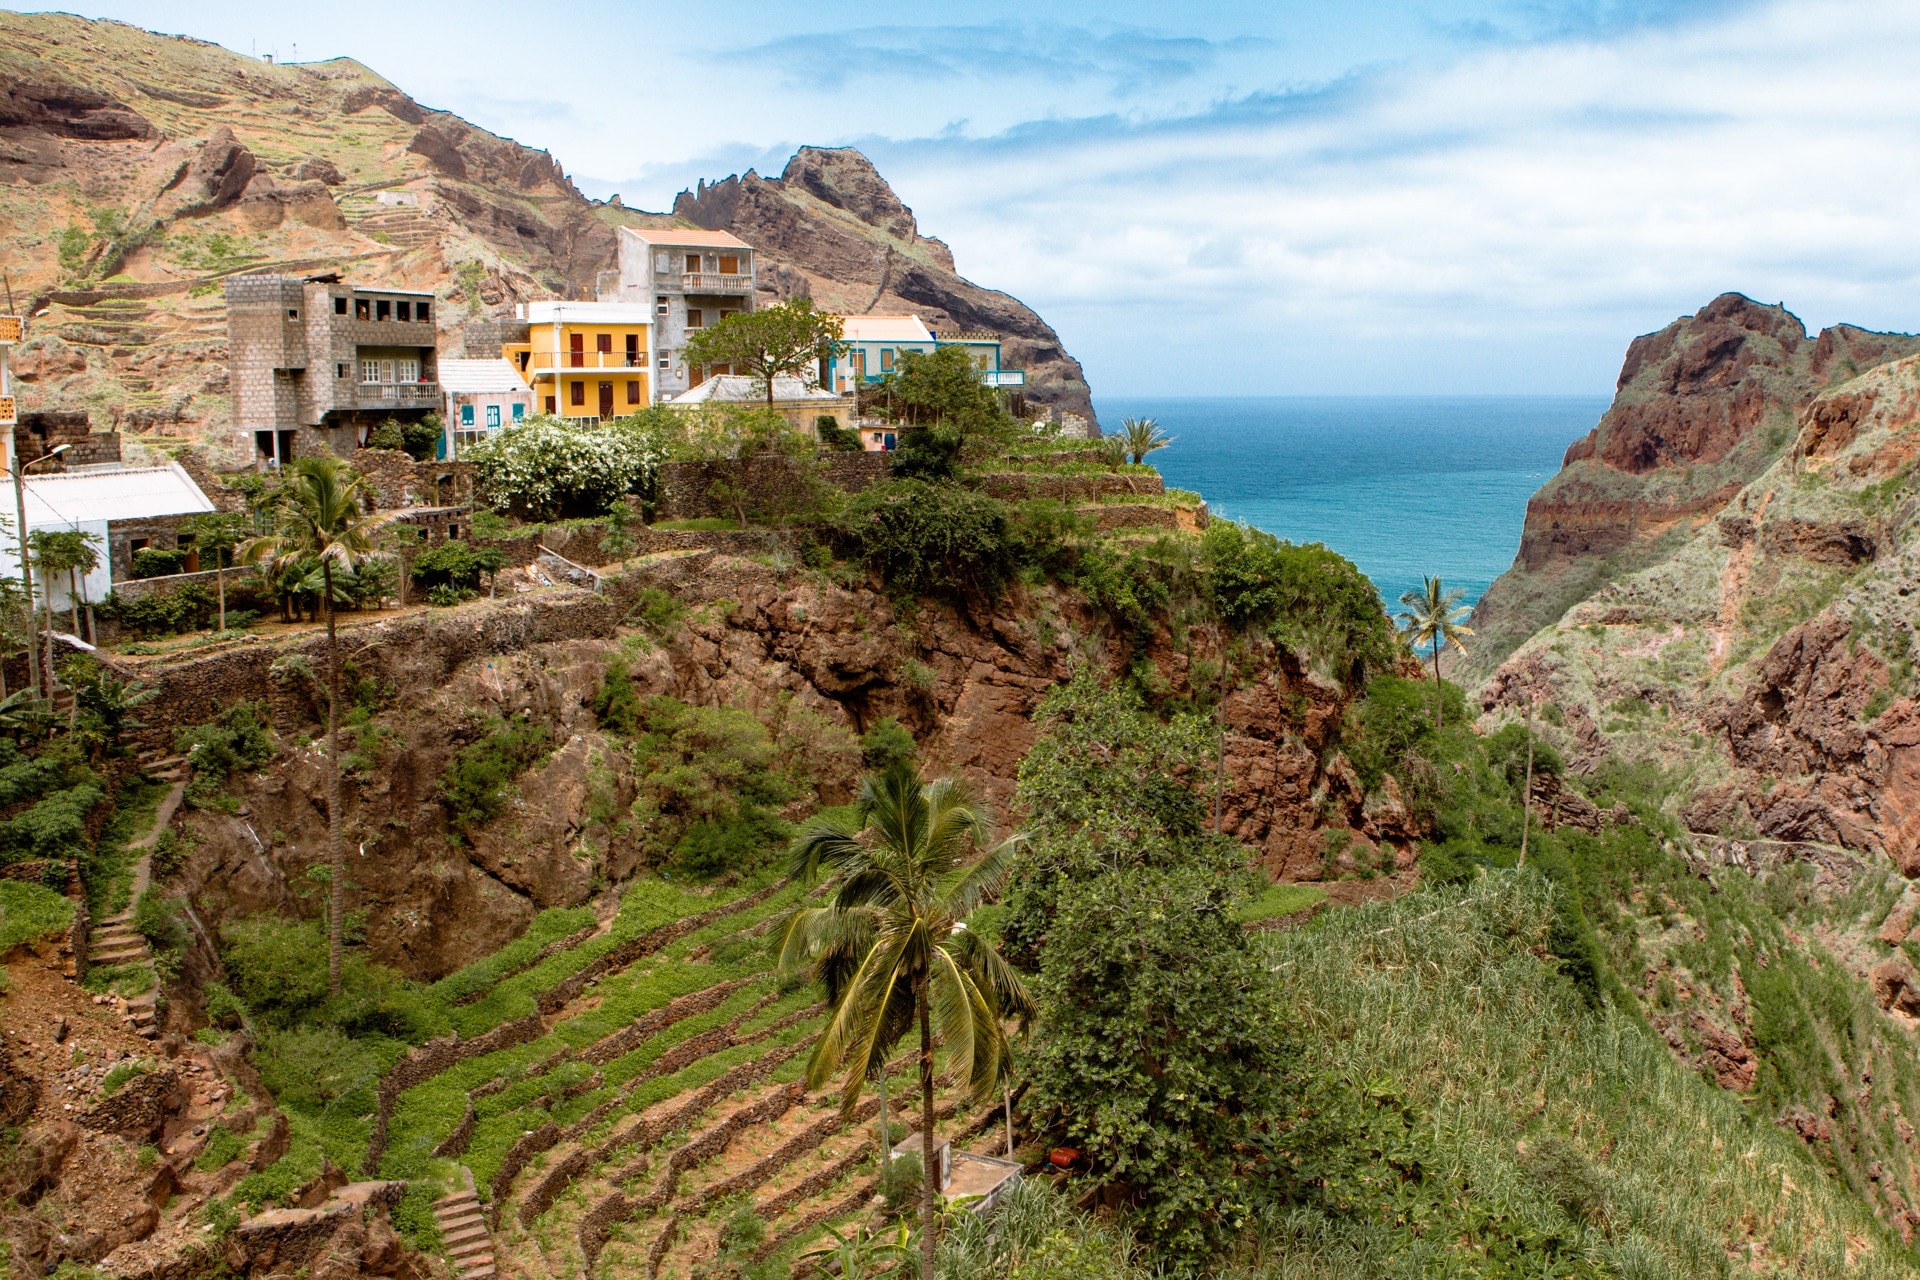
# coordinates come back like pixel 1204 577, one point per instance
pixel 1401 485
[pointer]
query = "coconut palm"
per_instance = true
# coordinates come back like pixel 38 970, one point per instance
pixel 1142 437
pixel 891 947
pixel 318 517
pixel 1434 616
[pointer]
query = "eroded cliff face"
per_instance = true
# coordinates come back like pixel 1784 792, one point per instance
pixel 1700 409
pixel 830 226
pixel 815 661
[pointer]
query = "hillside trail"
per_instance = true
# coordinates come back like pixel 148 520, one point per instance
pixel 1733 589
pixel 115 941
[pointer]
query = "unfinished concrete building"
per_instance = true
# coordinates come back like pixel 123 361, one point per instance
pixel 317 363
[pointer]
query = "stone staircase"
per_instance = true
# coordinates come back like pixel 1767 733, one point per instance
pixel 157 764
pixel 115 942
pixel 463 1227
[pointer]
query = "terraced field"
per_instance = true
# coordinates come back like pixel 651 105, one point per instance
pixel 620 1088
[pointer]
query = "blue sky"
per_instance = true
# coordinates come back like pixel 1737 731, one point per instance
pixel 1285 198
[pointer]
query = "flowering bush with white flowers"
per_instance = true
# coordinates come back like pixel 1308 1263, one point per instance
pixel 545 468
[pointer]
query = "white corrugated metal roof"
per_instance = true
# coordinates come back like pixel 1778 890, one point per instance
pixel 132 493
pixel 736 388
pixel 585 312
pixel 884 329
pixel 475 376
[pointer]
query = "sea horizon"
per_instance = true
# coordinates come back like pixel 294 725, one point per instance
pixel 1405 486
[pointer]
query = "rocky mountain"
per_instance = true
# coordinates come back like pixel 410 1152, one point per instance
pixel 830 226
pixel 1701 408
pixel 136 170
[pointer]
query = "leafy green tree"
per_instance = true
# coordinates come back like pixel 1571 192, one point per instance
pixel 1142 436
pixel 735 437
pixel 892 948
pixel 790 338
pixel 1307 598
pixel 931 539
pixel 1158 1049
pixel 319 516
pixel 1434 616
pixel 942 387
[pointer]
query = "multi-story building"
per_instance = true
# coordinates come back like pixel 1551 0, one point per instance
pixel 317 364
pixel 689 280
pixel 585 359
pixel 871 345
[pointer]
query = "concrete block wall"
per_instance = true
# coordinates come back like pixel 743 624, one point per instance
pixel 267 350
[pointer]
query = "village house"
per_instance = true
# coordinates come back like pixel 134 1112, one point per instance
pixel 482 396
pixel 871 346
pixel 798 400
pixel 585 359
pixel 317 363
pixel 687 280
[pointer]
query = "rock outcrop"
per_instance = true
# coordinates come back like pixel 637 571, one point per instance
pixel 831 227
pixel 1700 409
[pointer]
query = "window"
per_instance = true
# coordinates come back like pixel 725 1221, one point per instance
pixel 523 360
pixel 293 313
pixel 403 310
pixel 420 312
pixel 519 412
pixel 493 417
pixel 369 371
pixel 549 402
pixel 339 306
pixel 382 310
pixel 666 362
pixel 576 350
pixel 406 371
pixel 339 371
pixel 577 393
pixel 695 319
pixel 466 415
pixel 729 265
pixel 886 359
pixel 603 343
pixel 362 309
pixel 724 313
pixel 633 396
pixel 133 544
pixel 662 265
pixel 659 306
pixel 633 350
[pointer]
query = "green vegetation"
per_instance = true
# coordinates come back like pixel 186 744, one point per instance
pixel 545 468
pixel 930 539
pixel 712 782
pixel 420 438
pixel 476 784
pixel 1435 618
pixel 238 742
pixel 1277 901
pixel 30 911
pixel 788 339
pixel 451 572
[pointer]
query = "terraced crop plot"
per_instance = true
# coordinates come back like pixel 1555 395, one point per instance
pixel 621 1091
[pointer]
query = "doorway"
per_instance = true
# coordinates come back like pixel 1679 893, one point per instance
pixel 606 399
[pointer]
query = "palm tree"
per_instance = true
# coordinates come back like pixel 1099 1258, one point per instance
pixel 1142 436
pixel 318 516
pixel 891 947
pixel 1434 617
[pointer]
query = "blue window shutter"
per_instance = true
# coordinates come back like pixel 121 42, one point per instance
pixel 466 420
pixel 519 413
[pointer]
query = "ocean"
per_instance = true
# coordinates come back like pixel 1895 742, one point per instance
pixel 1403 486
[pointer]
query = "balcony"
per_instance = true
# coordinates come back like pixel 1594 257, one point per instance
pixel 709 283
pixel 1004 377
pixel 548 361
pixel 398 395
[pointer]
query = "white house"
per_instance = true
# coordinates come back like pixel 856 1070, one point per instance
pixel 102 503
pixel 482 397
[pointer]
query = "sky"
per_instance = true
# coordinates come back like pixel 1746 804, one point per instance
pixel 1438 197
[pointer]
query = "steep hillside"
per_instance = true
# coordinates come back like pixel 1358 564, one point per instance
pixel 1702 407
pixel 136 170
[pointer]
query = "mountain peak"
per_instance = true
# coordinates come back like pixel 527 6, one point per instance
pixel 844 178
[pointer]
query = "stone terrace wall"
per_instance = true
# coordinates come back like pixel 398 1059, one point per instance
pixel 684 489
pixel 401 482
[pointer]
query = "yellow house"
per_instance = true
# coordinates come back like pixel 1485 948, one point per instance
pixel 585 359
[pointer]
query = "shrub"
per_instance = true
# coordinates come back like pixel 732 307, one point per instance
pixel 276 967
pixel 237 742
pixel 419 439
pixel 836 437
pixel 457 564
pixel 475 784
pixel 931 539
pixel 224 1146
pixel 885 744
pixel 616 705
pixel 121 1073
pixel 710 787
pixel 157 919
pixel 188 607
pixel 1308 598
pixel 544 468
pixel 927 453
pixel 55 827
pixel 158 562
pixel 900 1183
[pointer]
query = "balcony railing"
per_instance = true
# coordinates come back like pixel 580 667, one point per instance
pixel 545 361
pixel 1004 377
pixel 707 282
pixel 385 395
